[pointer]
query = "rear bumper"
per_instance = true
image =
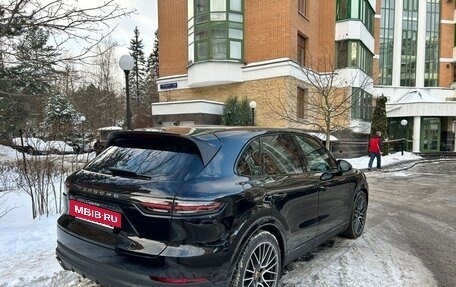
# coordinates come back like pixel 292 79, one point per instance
pixel 107 268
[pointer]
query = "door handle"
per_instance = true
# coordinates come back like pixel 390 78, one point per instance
pixel 321 188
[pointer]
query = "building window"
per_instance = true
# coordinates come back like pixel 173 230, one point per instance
pixel 302 46
pixel 409 43
pixel 356 9
pixel 215 30
pixel 361 105
pixel 454 73
pixel 386 42
pixel 301 103
pixel 354 54
pixel 302 7
pixel 342 10
pixel 432 44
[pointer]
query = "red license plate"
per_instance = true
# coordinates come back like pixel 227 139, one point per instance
pixel 95 214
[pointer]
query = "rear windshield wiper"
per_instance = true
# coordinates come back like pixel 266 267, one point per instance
pixel 126 173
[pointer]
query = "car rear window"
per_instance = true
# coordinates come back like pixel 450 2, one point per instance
pixel 146 163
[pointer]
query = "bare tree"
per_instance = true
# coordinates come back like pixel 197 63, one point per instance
pixel 322 97
pixel 69 31
pixel 64 20
pixel 98 98
pixel 105 67
pixel 7 177
pixel 67 82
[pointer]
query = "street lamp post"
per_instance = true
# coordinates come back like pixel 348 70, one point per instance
pixel 252 106
pixel 403 124
pixel 127 63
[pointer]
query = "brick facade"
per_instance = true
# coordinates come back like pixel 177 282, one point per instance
pixel 261 91
pixel 270 31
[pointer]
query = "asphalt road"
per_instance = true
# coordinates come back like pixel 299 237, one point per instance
pixel 416 210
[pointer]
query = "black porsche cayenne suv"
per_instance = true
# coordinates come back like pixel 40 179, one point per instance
pixel 208 207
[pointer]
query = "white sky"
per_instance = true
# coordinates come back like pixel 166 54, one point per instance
pixel 145 18
pixel 146 21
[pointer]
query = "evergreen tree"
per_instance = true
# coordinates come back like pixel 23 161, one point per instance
pixel 137 76
pixel 236 112
pixel 153 58
pixel 59 116
pixel 380 121
pixel 26 84
pixel 151 88
pixel 35 72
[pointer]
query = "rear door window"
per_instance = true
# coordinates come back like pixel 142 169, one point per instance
pixel 280 155
pixel 270 155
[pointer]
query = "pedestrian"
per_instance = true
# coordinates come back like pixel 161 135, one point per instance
pixel 375 150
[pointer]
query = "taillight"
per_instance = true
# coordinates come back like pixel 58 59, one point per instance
pixel 191 207
pixel 179 207
pixel 178 280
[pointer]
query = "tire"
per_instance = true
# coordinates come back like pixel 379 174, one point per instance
pixel 260 263
pixel 358 216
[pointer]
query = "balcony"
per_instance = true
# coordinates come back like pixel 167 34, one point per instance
pixel 213 73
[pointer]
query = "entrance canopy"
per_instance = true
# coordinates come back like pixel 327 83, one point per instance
pixel 420 102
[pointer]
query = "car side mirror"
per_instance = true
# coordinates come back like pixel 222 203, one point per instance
pixel 343 165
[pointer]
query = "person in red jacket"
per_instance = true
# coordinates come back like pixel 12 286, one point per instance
pixel 375 150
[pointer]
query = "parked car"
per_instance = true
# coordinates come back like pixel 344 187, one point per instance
pixel 211 207
pixel 30 145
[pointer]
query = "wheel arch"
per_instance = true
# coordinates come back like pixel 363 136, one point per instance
pixel 261 224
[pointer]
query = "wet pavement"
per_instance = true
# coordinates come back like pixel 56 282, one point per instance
pixel 414 207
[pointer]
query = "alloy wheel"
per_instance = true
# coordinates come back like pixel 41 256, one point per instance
pixel 262 268
pixel 359 213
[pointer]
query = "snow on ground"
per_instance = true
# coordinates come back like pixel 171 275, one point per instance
pixel 27 255
pixel 8 153
pixel 387 161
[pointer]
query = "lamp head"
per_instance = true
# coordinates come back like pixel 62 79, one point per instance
pixel 126 62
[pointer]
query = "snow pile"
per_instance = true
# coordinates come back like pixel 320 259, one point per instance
pixel 7 153
pixel 60 146
pixel 387 160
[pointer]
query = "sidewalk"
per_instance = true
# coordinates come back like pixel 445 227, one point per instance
pixel 395 161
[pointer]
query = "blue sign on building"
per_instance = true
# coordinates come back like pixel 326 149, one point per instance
pixel 168 86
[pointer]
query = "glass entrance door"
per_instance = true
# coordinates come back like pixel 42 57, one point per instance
pixel 430 135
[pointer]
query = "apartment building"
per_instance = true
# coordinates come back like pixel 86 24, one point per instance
pixel 270 52
pixel 414 67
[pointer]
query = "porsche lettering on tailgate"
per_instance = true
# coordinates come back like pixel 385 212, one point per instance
pixel 95 214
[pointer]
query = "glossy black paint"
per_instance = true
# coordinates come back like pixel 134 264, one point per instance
pixel 301 210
